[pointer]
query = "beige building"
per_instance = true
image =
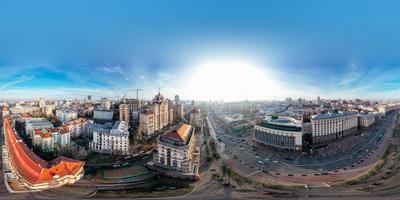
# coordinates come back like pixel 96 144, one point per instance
pixel 160 109
pixel 332 126
pixel 147 123
pixel 177 152
pixel 178 112
pixel 364 121
pixel 158 116
pixel 124 112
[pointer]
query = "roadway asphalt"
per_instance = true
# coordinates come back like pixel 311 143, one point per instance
pixel 276 161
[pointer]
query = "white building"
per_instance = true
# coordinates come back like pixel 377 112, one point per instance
pixel 116 141
pixel 281 132
pixel 66 115
pixel 332 126
pixel 105 115
pixel 36 123
pixel 177 152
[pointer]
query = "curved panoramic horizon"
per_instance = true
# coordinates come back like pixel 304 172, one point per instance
pixel 200 50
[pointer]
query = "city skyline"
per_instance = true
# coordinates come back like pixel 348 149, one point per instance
pixel 259 51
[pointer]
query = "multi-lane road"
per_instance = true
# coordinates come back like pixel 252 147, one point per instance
pixel 271 160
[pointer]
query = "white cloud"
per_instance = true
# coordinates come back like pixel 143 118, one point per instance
pixel 18 80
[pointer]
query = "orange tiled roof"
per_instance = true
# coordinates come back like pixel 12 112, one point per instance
pixel 180 134
pixel 31 167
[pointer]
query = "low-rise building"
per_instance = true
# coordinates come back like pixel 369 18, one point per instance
pixel 36 123
pixel 116 141
pixel 66 115
pixel 76 127
pixel 103 115
pixel 46 139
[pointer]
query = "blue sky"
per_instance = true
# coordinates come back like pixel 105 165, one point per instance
pixel 72 48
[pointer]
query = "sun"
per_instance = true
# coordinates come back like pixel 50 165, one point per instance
pixel 230 80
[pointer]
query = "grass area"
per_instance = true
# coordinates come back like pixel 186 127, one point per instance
pixel 239 178
pixel 372 172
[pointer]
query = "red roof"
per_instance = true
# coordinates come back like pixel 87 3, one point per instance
pixel 31 167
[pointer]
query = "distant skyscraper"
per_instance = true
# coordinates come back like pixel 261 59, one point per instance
pixel 124 112
pixel 89 98
pixel 318 101
pixel 42 102
pixel 289 100
pixel 177 100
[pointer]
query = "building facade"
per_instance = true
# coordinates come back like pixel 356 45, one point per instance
pixel 366 120
pixel 124 112
pixel 158 116
pixel 66 115
pixel 76 127
pixel 195 117
pixel 281 132
pixel 161 111
pixel 103 115
pixel 114 142
pixel 146 124
pixel 36 123
pixel 333 126
pixel 177 151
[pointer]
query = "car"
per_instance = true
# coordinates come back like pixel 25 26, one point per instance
pixel 261 162
pixel 275 161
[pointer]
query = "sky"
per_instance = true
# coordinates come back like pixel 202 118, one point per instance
pixel 202 50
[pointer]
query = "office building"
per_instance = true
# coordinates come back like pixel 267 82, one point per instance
pixel 281 132
pixel 366 120
pixel 333 125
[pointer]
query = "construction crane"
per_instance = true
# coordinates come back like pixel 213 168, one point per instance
pixel 137 90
